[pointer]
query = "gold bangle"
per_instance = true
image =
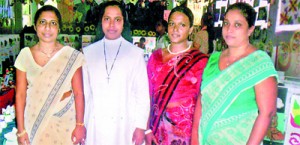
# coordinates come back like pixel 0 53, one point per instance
pixel 21 133
pixel 80 124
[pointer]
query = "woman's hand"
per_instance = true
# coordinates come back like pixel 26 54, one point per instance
pixel 138 136
pixel 23 139
pixel 79 135
pixel 151 138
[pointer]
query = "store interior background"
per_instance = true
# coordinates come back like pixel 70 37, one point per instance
pixel 277 32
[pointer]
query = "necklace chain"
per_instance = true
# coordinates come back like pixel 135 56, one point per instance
pixel 168 48
pixel 112 65
pixel 228 62
pixel 47 54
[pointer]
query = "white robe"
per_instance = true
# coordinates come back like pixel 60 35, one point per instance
pixel 116 108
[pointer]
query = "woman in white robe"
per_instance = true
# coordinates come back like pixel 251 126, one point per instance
pixel 116 85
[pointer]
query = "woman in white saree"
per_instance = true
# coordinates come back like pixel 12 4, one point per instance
pixel 49 90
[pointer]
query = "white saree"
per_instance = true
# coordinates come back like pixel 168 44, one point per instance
pixel 47 118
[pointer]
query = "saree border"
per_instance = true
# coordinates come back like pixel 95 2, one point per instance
pixel 227 96
pixel 52 94
pixel 185 64
pixel 66 108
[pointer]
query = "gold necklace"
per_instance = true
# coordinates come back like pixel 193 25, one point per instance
pixel 228 62
pixel 236 58
pixel 49 55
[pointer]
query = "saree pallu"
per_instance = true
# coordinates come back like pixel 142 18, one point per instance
pixel 50 115
pixel 174 87
pixel 229 109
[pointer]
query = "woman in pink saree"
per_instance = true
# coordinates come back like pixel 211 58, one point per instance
pixel 175 77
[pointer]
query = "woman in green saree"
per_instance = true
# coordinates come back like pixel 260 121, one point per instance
pixel 239 87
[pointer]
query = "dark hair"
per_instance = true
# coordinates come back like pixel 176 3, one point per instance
pixel 247 11
pixel 45 9
pixel 163 22
pixel 207 20
pixel 112 3
pixel 126 26
pixel 186 11
pixel 143 39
